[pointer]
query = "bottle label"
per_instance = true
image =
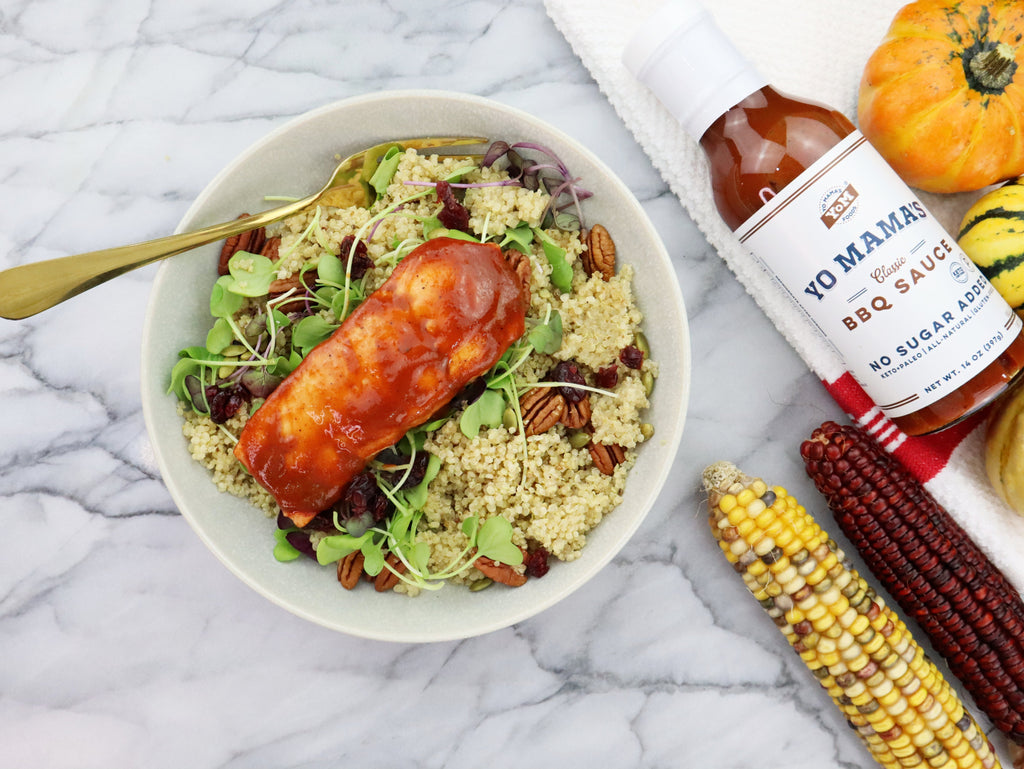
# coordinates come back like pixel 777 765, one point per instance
pixel 906 309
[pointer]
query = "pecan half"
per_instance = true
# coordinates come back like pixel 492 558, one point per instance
pixel 387 578
pixel 606 456
pixel 577 414
pixel 599 256
pixel 542 408
pixel 272 248
pixel 500 572
pixel 521 265
pixel 252 241
pixel 350 569
pixel 281 285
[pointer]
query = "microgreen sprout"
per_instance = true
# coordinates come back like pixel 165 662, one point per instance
pixel 554 178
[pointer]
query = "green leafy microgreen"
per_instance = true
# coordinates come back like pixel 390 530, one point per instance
pixel 184 368
pixel 223 302
pixel 430 226
pixel 219 336
pixel 283 366
pixel 416 497
pixel 546 338
pixel 337 546
pixel 414 439
pixel 385 171
pixel 344 303
pixel 494 540
pixel 519 237
pixel 252 274
pixel 277 321
pixel 486 410
pixel 561 271
pixel 418 557
pixel 330 269
pixel 284 550
pixel 459 235
pixel 198 362
pixel 311 331
pixel 373 558
pixel 469 528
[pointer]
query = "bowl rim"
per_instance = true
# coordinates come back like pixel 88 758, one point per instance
pixel 671 442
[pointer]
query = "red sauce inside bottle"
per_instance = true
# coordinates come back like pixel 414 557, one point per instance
pixel 761 145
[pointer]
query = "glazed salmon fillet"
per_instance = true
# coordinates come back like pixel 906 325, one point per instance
pixel 445 315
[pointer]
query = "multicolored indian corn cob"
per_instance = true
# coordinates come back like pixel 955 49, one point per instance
pixel 931 567
pixel 860 651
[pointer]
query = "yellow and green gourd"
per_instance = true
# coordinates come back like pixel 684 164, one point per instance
pixel 992 235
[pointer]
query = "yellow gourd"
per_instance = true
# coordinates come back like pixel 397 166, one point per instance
pixel 1004 448
pixel 992 235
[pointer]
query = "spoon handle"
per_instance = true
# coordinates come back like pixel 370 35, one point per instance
pixel 31 288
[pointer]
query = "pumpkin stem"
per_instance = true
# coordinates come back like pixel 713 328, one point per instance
pixel 994 68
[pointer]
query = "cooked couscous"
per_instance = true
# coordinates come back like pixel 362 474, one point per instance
pixel 551 485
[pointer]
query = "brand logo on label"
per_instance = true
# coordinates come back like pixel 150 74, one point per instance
pixel 959 272
pixel 837 204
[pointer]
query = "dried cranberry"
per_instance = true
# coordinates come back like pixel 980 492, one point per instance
pixel 454 215
pixel 469 394
pixel 300 541
pixel 607 377
pixel 569 373
pixel 225 401
pixel 632 356
pixel 361 262
pixel 363 498
pixel 416 473
pixel 537 562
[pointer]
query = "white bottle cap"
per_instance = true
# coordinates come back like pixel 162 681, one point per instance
pixel 690 65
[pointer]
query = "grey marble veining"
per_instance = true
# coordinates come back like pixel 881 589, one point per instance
pixel 124 643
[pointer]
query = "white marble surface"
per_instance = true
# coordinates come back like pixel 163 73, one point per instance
pixel 124 642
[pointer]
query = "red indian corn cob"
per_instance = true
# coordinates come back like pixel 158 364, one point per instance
pixel 860 651
pixel 934 571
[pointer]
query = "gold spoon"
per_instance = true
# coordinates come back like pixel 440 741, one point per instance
pixel 31 288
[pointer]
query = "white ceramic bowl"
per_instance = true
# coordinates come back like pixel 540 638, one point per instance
pixel 295 159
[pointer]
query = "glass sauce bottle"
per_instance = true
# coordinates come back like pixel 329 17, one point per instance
pixel 757 142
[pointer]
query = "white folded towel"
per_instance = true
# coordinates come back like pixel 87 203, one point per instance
pixel 814 50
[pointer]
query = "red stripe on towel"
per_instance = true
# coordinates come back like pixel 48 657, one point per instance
pixel 925 456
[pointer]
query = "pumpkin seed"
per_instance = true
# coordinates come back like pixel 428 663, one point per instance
pixel 647 379
pixel 508 418
pixel 578 439
pixel 647 430
pixel 481 584
pixel 232 351
pixel 641 343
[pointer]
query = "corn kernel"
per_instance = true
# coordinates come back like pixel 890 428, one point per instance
pixel 817 575
pixel 738 547
pixel 737 514
pixel 786 575
pixel 892 701
pixel 746 496
pixel 764 546
pixel 922 738
pixel 757 568
pixel 756 507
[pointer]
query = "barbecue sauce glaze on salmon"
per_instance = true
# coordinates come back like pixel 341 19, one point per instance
pixel 445 315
